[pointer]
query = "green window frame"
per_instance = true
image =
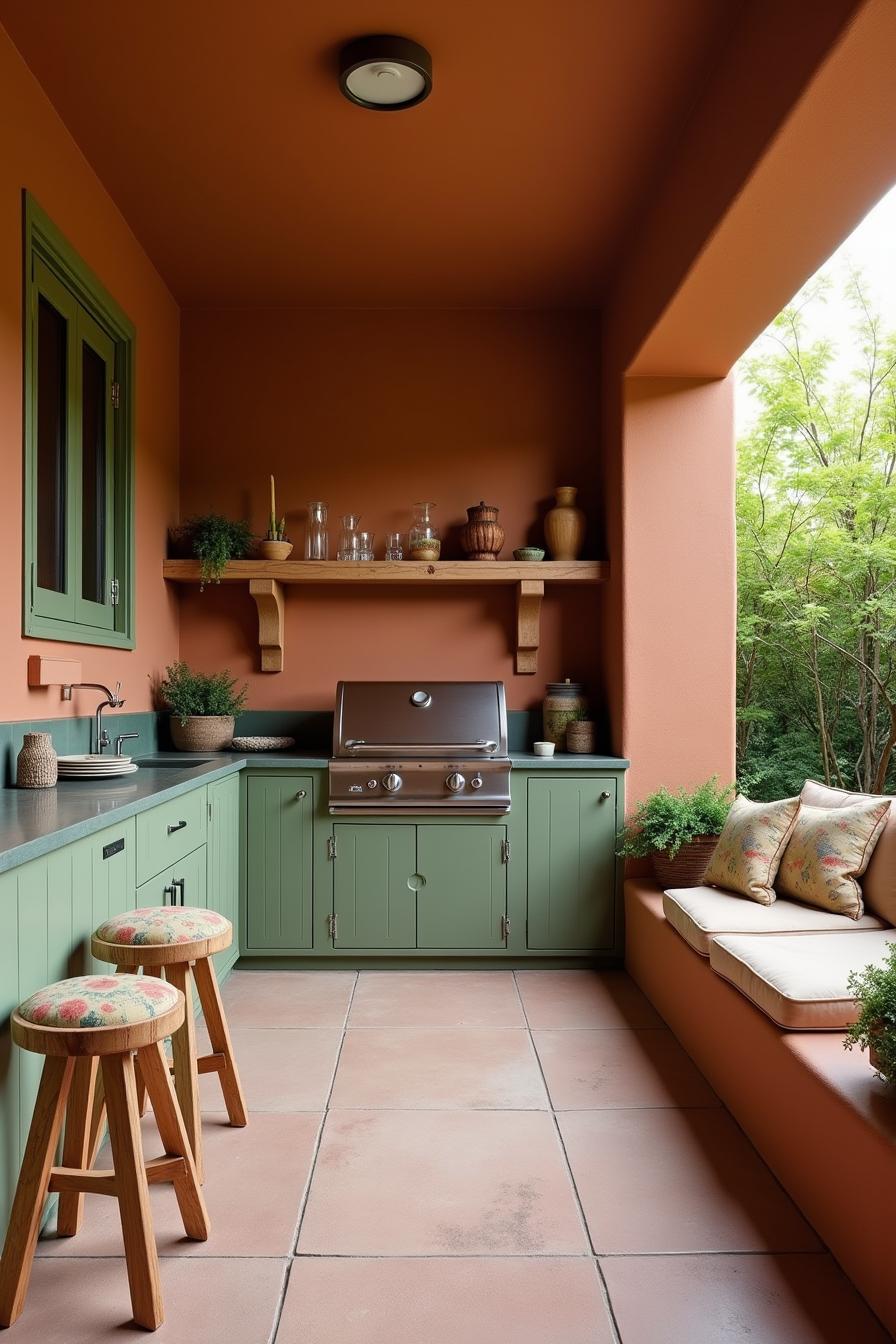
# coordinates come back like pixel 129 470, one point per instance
pixel 79 497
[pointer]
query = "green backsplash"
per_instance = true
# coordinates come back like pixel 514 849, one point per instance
pixel 72 736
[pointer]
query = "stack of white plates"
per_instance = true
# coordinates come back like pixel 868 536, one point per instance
pixel 95 767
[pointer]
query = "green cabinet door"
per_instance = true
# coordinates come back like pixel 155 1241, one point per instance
pixel 374 902
pixel 223 853
pixel 280 812
pixel 10 1120
pixel 463 901
pixel 571 871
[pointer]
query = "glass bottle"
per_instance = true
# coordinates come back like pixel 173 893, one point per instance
pixel 348 537
pixel 424 541
pixel 317 539
pixel 394 547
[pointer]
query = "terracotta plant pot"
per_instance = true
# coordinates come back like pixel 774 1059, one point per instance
pixel 213 732
pixel 482 536
pixel 689 865
pixel 274 550
pixel 564 525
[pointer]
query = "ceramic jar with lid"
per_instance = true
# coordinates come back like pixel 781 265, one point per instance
pixel 564 703
pixel 482 536
pixel 36 764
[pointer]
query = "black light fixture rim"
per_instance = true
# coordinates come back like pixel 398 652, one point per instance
pixel 384 47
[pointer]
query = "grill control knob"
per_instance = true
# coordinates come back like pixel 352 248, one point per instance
pixel 392 783
pixel 476 782
pixel 455 782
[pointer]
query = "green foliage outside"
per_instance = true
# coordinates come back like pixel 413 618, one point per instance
pixel 665 821
pixel 874 989
pixel 188 694
pixel 816 531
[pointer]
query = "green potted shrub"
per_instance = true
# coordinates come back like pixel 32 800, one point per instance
pixel 677 831
pixel 874 990
pixel 213 540
pixel 203 707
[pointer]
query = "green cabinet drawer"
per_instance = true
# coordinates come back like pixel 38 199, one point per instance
pixel 571 864
pixel 374 897
pixel 223 858
pixel 463 899
pixel 182 883
pixel 279 826
pixel 168 832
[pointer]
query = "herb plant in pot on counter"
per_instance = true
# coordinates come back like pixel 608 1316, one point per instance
pixel 203 707
pixel 678 832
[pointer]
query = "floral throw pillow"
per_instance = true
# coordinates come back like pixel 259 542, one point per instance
pixel 753 839
pixel 828 850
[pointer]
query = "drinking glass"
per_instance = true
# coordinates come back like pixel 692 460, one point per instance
pixel 348 537
pixel 365 545
pixel 394 547
pixel 317 538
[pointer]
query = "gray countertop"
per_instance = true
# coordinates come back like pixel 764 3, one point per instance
pixel 33 822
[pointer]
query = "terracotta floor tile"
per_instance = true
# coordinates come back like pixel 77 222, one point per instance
pixel 670 1180
pixel 436 999
pixel 448 1301
pixel 728 1299
pixel 593 1070
pixel 438 1068
pixel 584 999
pixel 73 1302
pixel 287 998
pixel 441 1183
pixel 255 1180
pixel 281 1069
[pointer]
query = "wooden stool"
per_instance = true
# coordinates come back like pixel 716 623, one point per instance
pixel 80 1025
pixel 177 941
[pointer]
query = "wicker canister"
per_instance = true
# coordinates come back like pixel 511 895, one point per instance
pixel 210 732
pixel 580 737
pixel 689 865
pixel 36 764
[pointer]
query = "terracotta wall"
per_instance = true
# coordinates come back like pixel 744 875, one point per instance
pixel 39 154
pixel 370 411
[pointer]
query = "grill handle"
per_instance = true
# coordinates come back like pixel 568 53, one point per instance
pixel 417 748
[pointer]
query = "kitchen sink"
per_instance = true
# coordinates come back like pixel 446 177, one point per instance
pixel 166 763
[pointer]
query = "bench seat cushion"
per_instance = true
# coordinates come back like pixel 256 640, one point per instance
pixel 699 914
pixel 800 983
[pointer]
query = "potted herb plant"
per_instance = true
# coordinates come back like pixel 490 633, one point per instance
pixel 276 545
pixel 678 831
pixel 213 540
pixel 874 990
pixel 203 707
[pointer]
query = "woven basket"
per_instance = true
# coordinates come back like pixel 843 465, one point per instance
pixel 580 737
pixel 213 732
pixel 689 865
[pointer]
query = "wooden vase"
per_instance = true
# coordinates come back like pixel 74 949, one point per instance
pixel 482 536
pixel 564 525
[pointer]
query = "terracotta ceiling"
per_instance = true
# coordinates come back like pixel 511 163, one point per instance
pixel 218 128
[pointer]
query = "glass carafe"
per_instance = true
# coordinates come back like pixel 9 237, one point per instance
pixel 349 545
pixel 317 538
pixel 424 542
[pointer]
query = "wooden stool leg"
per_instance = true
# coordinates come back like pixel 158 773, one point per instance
pixel 24 1222
pixel 141 1086
pixel 219 1035
pixel 133 1190
pixel 186 1075
pixel 76 1145
pixel 170 1124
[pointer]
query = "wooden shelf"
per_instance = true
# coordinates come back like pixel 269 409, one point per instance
pixel 265 580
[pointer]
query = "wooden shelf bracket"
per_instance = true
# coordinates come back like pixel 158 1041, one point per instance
pixel 529 593
pixel 268 596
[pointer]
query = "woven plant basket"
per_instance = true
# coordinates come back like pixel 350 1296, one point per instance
pixel 688 866
pixel 212 732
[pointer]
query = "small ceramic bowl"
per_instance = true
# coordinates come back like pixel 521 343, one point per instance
pixel 528 553
pixel 543 748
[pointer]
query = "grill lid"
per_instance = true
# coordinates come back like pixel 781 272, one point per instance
pixel 462 718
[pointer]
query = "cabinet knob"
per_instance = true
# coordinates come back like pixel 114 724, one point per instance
pixel 604 796
pixel 301 793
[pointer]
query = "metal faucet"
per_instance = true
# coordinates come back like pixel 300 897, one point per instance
pixel 113 700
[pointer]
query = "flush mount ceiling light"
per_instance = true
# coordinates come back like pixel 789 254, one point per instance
pixel 385 73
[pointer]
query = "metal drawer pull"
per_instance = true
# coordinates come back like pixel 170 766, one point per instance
pixel 302 793
pixel 182 883
pixel 178 826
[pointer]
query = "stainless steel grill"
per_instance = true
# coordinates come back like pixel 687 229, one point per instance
pixel 420 747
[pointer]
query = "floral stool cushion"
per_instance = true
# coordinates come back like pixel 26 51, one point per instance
pixel 159 924
pixel 100 1001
